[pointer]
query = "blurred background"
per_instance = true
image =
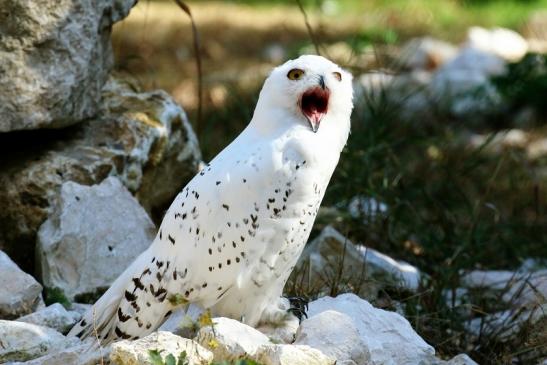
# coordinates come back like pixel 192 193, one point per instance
pixel 446 166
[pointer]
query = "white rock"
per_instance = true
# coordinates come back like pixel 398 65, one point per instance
pixel 360 264
pixel 92 235
pixel 81 354
pixel 361 206
pixel 426 53
pixel 291 355
pixel 232 339
pixel 137 352
pixel 506 324
pixel 461 359
pixel 54 316
pixel 518 288
pixel 284 333
pixel 335 335
pixel 19 292
pixel 21 341
pixel 462 85
pixel 537 149
pixel 501 42
pixel 388 337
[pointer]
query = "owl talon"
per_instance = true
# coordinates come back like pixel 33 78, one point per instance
pixel 299 307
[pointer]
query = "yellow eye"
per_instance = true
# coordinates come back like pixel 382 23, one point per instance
pixel 295 74
pixel 337 75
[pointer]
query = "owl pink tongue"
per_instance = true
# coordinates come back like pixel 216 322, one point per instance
pixel 314 104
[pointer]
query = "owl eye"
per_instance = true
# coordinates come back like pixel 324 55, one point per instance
pixel 337 75
pixel 295 74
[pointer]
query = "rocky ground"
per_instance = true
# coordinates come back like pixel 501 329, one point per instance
pixel 80 203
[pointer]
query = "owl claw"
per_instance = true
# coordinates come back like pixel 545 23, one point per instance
pixel 299 307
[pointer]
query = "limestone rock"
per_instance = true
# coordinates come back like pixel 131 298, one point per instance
pixel 281 333
pixel 54 316
pixel 91 237
pixel 321 259
pixel 143 138
pixel 137 352
pixel 387 337
pixel 291 355
pixel 24 341
pixel 56 56
pixel 78 354
pixel 334 334
pixel 232 339
pixel 19 292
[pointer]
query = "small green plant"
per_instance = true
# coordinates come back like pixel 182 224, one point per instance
pixel 156 358
pixel 56 295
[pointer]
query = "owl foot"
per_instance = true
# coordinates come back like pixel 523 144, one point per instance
pixel 299 307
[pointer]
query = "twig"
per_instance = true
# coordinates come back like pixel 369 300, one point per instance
pixel 197 53
pixel 308 26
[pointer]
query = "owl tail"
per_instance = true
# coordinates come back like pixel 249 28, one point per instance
pixel 134 306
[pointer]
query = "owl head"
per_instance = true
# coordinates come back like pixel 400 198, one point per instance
pixel 308 91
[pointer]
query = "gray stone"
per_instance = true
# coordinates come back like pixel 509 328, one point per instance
pixel 232 339
pixel 334 334
pixel 364 270
pixel 387 337
pixel 56 56
pixel 137 352
pixel 54 316
pixel 143 138
pixel 24 341
pixel 79 354
pixel 19 292
pixel 91 237
pixel 291 355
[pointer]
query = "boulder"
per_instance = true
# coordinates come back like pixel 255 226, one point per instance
pixel 229 339
pixel 143 138
pixel 138 352
pixel 24 341
pixel 336 335
pixel 19 292
pixel 91 237
pixel 54 316
pixel 291 355
pixel 56 56
pixel 387 337
pixel 364 270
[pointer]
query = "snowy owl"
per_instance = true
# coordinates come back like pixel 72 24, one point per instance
pixel 232 236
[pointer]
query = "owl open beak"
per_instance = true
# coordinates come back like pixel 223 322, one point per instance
pixel 314 104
